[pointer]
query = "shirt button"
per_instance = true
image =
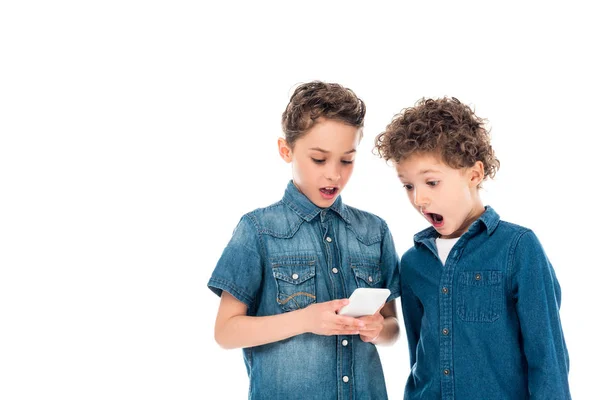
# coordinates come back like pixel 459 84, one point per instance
pixel 477 277
pixel 345 379
pixel 328 239
pixel 334 270
pixel 344 343
pixel 446 372
pixel 370 279
pixel 445 290
pixel 295 276
pixel 445 331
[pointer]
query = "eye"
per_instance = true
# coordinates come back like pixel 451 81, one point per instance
pixel 347 162
pixel 433 183
pixel 317 161
pixel 408 187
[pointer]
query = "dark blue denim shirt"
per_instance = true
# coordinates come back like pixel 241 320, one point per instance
pixel 486 324
pixel 289 255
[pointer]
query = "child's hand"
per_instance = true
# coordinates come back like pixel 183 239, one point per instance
pixel 373 327
pixel 322 319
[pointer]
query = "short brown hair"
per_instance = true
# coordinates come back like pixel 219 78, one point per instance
pixel 313 100
pixel 445 127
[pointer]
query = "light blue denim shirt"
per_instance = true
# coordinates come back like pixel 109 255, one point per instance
pixel 486 324
pixel 289 255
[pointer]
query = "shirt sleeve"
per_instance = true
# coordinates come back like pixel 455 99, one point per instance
pixel 239 270
pixel 537 295
pixel 390 260
pixel 412 312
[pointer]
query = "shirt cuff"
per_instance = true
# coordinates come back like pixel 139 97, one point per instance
pixel 217 285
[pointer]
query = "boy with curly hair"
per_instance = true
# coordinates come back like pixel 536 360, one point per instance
pixel 480 299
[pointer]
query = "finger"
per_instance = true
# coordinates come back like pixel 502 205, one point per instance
pixel 349 327
pixel 377 319
pixel 344 332
pixel 337 304
pixel 367 339
pixel 353 328
pixel 369 329
pixel 349 322
pixel 372 322
pixel 367 319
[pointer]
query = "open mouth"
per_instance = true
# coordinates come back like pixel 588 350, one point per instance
pixel 435 219
pixel 329 191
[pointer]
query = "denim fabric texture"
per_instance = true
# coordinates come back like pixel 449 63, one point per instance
pixel 486 324
pixel 292 254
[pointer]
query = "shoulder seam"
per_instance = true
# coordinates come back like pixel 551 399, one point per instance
pixel 254 222
pixel 512 252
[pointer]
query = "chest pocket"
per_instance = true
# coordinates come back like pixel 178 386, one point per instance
pixel 295 278
pixel 479 296
pixel 366 273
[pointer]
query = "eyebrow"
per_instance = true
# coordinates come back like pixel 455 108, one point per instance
pixel 422 172
pixel 327 152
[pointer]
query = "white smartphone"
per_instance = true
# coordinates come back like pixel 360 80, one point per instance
pixel 365 301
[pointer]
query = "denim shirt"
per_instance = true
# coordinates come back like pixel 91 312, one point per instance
pixel 292 254
pixel 486 324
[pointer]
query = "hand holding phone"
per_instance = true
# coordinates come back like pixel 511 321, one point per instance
pixel 365 301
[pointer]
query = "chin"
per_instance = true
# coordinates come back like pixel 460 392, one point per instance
pixel 325 203
pixel 443 232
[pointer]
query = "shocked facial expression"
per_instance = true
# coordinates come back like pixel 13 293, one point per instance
pixel 322 160
pixel 447 197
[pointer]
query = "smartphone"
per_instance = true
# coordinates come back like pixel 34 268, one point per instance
pixel 365 301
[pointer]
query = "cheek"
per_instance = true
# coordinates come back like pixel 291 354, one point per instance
pixel 465 194
pixel 303 166
pixel 348 171
pixel 298 170
pixel 309 172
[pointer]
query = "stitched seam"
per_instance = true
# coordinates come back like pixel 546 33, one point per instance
pixel 287 299
pixel 511 256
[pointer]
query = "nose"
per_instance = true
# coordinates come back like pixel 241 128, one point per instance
pixel 333 173
pixel 420 199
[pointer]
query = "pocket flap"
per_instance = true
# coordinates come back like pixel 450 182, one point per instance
pixel 370 274
pixel 294 274
pixel 480 278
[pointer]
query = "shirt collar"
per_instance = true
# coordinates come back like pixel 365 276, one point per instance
pixel 306 209
pixel 489 220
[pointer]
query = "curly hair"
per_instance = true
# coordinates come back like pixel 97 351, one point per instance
pixel 444 127
pixel 313 100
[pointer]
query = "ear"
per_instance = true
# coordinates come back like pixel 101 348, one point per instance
pixel 476 174
pixel 285 151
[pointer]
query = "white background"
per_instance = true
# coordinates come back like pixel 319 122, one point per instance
pixel 134 135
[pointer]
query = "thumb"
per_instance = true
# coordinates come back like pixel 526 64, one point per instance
pixel 337 304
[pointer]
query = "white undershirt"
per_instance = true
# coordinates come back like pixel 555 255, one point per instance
pixel 444 246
